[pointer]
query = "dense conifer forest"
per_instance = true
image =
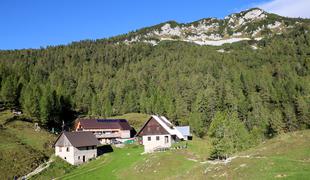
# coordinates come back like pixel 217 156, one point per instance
pixel 252 94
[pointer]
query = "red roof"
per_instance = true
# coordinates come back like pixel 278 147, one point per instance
pixel 104 124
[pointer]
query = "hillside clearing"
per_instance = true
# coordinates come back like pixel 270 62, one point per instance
pixel 136 120
pixel 22 148
pixel 4 116
pixel 129 163
pixel 285 156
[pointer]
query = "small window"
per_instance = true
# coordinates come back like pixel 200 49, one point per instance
pixel 93 147
pixel 149 138
pixel 68 149
pixel 86 147
pixel 166 139
pixel 157 128
pixel 148 129
pixel 65 158
pixel 79 158
pixel 157 138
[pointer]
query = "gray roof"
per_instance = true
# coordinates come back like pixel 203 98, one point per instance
pixel 184 130
pixel 78 139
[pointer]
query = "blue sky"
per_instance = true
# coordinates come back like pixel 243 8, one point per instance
pixel 38 23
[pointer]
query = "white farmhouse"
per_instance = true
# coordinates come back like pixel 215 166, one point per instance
pixel 159 133
pixel 76 147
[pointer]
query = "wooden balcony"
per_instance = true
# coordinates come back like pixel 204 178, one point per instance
pixel 111 135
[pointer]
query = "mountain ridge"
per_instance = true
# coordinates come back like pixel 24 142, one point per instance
pixel 251 24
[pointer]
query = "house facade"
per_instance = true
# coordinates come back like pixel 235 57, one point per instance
pixel 107 131
pixel 76 147
pixel 159 133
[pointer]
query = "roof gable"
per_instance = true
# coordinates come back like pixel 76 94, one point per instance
pixel 62 141
pixel 152 127
pixel 166 127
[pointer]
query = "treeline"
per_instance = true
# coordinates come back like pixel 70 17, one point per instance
pixel 268 89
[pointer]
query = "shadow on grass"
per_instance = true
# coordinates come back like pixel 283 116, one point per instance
pixel 104 149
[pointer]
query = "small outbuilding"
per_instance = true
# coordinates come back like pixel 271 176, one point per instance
pixel 76 147
pixel 185 131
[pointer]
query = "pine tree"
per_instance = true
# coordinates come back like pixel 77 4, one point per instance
pixel 276 123
pixel 196 124
pixel 9 90
pixel 107 108
pixel 228 134
pixel 95 106
pixel 46 105
pixel 303 112
pixel 30 100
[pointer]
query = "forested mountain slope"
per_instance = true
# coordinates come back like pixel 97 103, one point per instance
pixel 264 82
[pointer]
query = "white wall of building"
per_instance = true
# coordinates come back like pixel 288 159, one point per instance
pixel 82 151
pixel 152 142
pixel 125 134
pixel 75 155
pixel 66 153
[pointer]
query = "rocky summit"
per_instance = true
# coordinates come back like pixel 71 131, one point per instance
pixel 252 24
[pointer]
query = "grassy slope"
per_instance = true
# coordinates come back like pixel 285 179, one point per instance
pixel 21 148
pixel 285 156
pixel 128 163
pixel 136 120
pixel 4 116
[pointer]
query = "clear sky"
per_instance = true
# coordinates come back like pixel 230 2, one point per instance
pixel 38 23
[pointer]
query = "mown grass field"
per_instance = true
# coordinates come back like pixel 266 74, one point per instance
pixel 22 148
pixel 286 157
pixel 136 120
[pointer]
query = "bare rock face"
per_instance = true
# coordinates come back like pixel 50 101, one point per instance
pixel 254 24
pixel 254 14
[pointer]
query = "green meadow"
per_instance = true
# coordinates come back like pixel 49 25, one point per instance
pixel 286 156
pixel 22 148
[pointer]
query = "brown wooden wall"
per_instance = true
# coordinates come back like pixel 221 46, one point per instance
pixel 152 128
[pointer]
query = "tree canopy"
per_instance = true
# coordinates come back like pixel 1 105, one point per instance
pixel 268 89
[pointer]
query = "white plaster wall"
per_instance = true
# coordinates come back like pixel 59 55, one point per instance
pixel 72 155
pixel 125 133
pixel 104 141
pixel 82 151
pixel 67 156
pixel 150 146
